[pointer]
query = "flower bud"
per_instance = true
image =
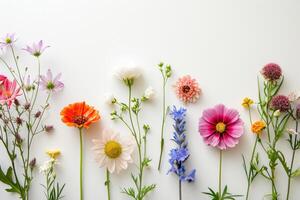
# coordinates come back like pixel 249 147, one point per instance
pixel 19 121
pixel 48 128
pixel 19 140
pixel 27 106
pixel 16 102
pixel 32 163
pixel 37 114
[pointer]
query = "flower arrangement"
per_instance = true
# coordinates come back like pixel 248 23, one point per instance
pixel 129 114
pixel 221 127
pixel 54 191
pixel 166 72
pixel 114 153
pixel 80 115
pixel 180 154
pixel 276 113
pixel 21 114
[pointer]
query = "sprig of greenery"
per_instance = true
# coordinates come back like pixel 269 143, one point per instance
pixel 166 72
pixel 225 195
pixel 128 114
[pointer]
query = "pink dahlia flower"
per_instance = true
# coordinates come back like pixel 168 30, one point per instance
pixel 187 89
pixel 9 92
pixel 221 127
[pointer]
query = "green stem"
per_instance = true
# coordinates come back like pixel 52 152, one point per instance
pixel 107 183
pixel 249 175
pixel 81 158
pixel 292 164
pixel 220 175
pixel 180 190
pixel 164 112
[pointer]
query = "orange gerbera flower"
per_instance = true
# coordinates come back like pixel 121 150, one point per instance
pixel 79 115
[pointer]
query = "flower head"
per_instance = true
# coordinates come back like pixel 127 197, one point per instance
pixel 247 102
pixel 271 72
pixel 79 115
pixel 128 74
pixel 294 96
pixel 221 127
pixel 113 151
pixel 292 131
pixel 53 153
pixel 110 99
pixel 36 49
pixel 9 91
pixel 7 40
pixel 187 89
pixel 180 154
pixel 281 103
pixel 148 94
pixel 258 126
pixel 51 84
pixel 2 79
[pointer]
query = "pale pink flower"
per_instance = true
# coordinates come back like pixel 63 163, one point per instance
pixel 187 89
pixel 36 49
pixel 51 84
pixel 9 92
pixel 221 127
pixel 7 40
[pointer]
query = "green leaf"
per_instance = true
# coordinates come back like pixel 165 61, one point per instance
pixel 7 178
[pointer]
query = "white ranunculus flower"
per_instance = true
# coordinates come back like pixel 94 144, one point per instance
pixel 109 99
pixel 128 73
pixel 292 131
pixel 149 93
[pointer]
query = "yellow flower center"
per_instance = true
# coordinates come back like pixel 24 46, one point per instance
pixel 113 149
pixel 220 127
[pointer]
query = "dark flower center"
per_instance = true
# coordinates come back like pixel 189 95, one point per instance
pixel 50 86
pixel 37 53
pixel 186 88
pixel 79 120
pixel 8 40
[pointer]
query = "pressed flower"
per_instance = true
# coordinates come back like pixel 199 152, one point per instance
pixel 7 40
pixel 9 92
pixel 258 126
pixel 247 102
pixel 221 127
pixel 281 103
pixel 148 94
pixel 51 84
pixel 187 89
pixel 79 115
pixel 113 151
pixel 128 74
pixel 53 153
pixel 271 72
pixel 36 49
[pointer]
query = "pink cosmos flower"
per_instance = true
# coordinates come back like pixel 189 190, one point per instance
pixel 221 127
pixel 7 40
pixel 9 92
pixel 36 49
pixel 187 89
pixel 51 84
pixel 2 79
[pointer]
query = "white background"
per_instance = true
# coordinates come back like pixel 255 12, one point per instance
pixel 223 44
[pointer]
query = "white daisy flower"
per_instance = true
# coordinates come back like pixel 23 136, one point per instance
pixel 113 151
pixel 128 74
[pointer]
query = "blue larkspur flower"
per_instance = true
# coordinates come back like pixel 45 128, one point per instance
pixel 180 154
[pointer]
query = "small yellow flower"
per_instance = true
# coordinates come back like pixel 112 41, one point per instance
pixel 247 102
pixel 258 126
pixel 54 153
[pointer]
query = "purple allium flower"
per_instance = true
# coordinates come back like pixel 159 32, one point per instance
pixel 51 84
pixel 36 49
pixel 281 103
pixel 298 111
pixel 7 40
pixel 271 72
pixel 180 154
